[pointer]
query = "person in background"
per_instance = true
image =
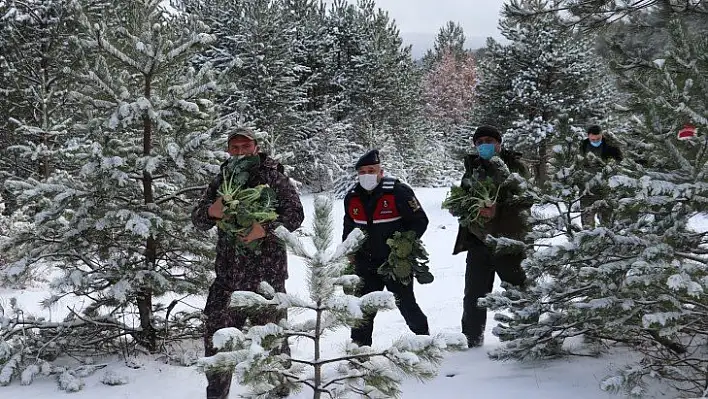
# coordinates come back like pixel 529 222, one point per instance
pixel 597 145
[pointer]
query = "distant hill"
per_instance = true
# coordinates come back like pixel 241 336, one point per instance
pixel 421 42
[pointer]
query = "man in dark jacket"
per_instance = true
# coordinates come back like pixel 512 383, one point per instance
pixel 597 145
pixel 381 206
pixel 506 218
pixel 245 271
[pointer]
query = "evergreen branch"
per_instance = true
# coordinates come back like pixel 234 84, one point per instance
pixel 692 257
pixel 116 53
pixel 340 379
pixel 181 50
pixel 299 334
pixel 297 379
pixel 174 196
pixel 103 324
pixel 339 359
pixel 671 345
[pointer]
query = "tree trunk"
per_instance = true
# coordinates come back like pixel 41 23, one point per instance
pixel 542 166
pixel 148 336
pixel 44 168
pixel 318 367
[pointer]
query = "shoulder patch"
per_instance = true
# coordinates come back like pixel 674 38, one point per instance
pixel 414 204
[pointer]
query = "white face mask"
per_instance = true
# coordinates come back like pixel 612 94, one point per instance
pixel 368 182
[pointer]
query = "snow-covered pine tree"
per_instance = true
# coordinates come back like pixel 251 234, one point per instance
pixel 449 97
pixel 35 67
pixel 322 148
pixel 450 38
pixel 640 280
pixel 374 78
pixel 117 228
pixel 4 227
pixel 255 51
pixel 420 155
pixel 495 70
pixel 373 373
pixel 556 76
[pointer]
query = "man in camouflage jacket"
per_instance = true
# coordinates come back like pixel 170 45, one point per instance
pixel 244 272
pixel 507 218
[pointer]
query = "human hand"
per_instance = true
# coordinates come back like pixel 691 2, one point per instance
pixel 216 210
pixel 257 232
pixel 488 212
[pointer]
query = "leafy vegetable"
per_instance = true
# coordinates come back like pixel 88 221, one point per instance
pixel 408 258
pixel 244 206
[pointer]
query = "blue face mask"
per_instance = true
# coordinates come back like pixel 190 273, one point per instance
pixel 486 151
pixel 596 143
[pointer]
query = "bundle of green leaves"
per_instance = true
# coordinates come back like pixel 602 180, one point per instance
pixel 244 206
pixel 480 189
pixel 408 258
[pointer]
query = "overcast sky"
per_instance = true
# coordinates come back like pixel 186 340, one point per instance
pixel 477 17
pixel 420 20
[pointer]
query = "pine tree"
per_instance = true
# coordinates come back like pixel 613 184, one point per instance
pixel 450 38
pixel 641 278
pixel 35 67
pixel 255 51
pixel 599 14
pixel 117 227
pixel 555 77
pixel 4 227
pixel 493 92
pixel 449 89
pixel 360 370
pixel 321 149
pixel 449 97
pixel 375 75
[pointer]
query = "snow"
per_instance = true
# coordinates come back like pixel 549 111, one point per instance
pixel 225 335
pixel 462 375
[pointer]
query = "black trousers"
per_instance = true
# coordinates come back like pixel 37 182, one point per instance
pixel 479 280
pixel 405 300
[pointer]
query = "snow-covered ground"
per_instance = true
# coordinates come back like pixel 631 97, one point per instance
pixel 469 374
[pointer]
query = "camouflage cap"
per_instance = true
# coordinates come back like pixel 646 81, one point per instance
pixel 245 132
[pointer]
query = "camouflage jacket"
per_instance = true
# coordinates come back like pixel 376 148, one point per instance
pixel 510 220
pixel 269 263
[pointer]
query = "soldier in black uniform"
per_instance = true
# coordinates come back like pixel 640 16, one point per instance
pixel 380 206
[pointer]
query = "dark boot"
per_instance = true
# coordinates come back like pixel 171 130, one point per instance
pixel 475 341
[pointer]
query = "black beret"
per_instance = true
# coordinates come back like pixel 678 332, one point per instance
pixel 486 131
pixel 370 158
